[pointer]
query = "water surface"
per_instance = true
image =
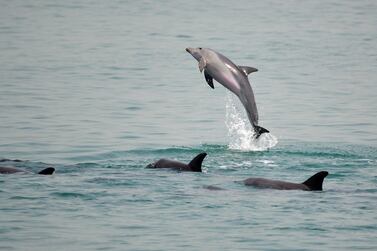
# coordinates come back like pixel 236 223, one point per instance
pixel 101 89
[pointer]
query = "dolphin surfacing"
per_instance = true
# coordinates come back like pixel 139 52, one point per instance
pixel 234 78
pixel 11 170
pixel 195 164
pixel 314 183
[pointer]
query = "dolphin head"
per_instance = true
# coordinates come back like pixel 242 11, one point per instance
pixel 197 53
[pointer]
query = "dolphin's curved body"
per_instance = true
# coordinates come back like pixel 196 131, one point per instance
pixel 314 183
pixel 195 164
pixel 10 170
pixel 234 78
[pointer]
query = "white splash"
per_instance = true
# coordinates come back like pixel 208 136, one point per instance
pixel 241 134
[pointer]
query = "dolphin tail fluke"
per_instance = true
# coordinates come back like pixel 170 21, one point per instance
pixel 260 130
pixel 315 182
pixel 196 163
pixel 47 171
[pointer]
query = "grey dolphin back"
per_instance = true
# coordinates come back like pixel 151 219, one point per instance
pixel 196 163
pixel 315 182
pixel 47 171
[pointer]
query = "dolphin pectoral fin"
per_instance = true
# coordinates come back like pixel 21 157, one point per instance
pixel 47 171
pixel 196 163
pixel 315 182
pixel 202 64
pixel 259 130
pixel 209 79
pixel 247 69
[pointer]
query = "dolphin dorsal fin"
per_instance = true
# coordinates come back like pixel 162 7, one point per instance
pixel 47 171
pixel 202 64
pixel 247 69
pixel 209 79
pixel 196 163
pixel 315 182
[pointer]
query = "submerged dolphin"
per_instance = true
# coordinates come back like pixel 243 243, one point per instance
pixel 9 170
pixel 234 78
pixel 195 164
pixel 314 183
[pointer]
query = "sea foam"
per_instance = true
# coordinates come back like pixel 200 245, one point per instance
pixel 240 132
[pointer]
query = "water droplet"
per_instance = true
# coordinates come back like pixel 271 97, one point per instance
pixel 240 132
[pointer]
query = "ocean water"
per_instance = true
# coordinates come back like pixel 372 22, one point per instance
pixel 100 89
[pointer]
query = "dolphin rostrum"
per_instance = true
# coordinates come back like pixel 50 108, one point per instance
pixel 195 164
pixel 234 78
pixel 314 183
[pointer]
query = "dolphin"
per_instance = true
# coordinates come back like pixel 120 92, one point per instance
pixel 9 170
pixel 314 183
pixel 234 78
pixel 195 164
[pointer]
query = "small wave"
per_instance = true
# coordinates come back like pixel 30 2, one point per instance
pixel 18 197
pixel 68 195
pixel 183 36
pixel 241 134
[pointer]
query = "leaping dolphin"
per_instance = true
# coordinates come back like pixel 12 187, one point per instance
pixel 195 164
pixel 314 183
pixel 234 78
